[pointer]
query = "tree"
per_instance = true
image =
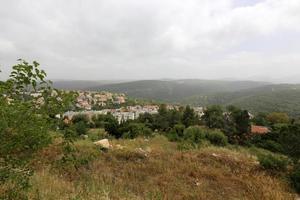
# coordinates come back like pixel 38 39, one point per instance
pixel 276 118
pixel 213 117
pixel 112 126
pixel 289 139
pixel 174 117
pixel 23 126
pixel 132 130
pixel 237 124
pixel 189 117
pixel 260 119
pixel 176 133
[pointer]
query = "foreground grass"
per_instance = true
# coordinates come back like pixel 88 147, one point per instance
pixel 155 169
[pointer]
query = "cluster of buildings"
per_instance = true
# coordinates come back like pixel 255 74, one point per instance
pixel 121 114
pixel 126 113
pixel 87 100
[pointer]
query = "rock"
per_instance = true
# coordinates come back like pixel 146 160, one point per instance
pixel 84 136
pixel 215 155
pixel 140 150
pixel 103 143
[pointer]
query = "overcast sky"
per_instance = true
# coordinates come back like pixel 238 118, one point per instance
pixel 153 39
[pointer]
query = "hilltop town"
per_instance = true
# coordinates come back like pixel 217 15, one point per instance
pixel 95 103
pixel 88 100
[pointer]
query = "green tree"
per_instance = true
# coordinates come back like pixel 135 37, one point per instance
pixel 276 118
pixel 112 126
pixel 176 133
pixel 289 139
pixel 23 126
pixel 237 124
pixel 189 117
pixel 260 119
pixel 213 117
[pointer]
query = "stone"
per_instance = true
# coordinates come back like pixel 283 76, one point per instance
pixel 103 143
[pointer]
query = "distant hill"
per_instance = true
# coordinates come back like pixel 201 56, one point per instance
pixel 251 95
pixel 269 98
pixel 80 84
pixel 176 90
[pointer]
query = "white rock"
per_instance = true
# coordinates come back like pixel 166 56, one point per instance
pixel 103 143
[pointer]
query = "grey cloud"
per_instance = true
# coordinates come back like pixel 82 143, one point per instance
pixel 141 39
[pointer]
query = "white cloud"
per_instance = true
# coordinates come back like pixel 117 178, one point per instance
pixel 98 39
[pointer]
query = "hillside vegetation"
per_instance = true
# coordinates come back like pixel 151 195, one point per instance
pixel 173 154
pixel 176 90
pixel 254 96
pixel 154 169
pixel 270 98
pixel 80 84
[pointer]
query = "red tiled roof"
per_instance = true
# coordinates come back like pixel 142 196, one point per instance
pixel 259 129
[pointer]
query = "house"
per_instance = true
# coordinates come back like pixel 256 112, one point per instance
pixel 260 130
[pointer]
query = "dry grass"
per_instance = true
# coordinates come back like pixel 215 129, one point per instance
pixel 155 169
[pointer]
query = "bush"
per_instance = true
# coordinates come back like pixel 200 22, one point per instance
pixel 273 162
pixel 217 138
pixel 81 128
pixel 270 145
pixel 80 118
pixel 176 133
pixel 185 146
pixel 194 134
pixel 295 178
pixel 133 130
pixel 96 134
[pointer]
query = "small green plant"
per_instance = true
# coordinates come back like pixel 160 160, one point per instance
pixel 185 146
pixel 97 134
pixel 273 162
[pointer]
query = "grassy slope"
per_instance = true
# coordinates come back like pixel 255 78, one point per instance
pixel 159 171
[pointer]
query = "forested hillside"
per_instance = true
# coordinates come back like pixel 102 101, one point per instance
pixel 80 84
pixel 176 90
pixel 255 96
pixel 270 98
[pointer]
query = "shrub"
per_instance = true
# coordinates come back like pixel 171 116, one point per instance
pixel 176 133
pixel 295 178
pixel 80 118
pixel 195 134
pixel 270 145
pixel 133 130
pixel 185 146
pixel 217 138
pixel 81 128
pixel 96 134
pixel 273 162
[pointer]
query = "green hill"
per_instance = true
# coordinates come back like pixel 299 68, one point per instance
pixel 176 90
pixel 270 98
pixel 254 96
pixel 80 84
